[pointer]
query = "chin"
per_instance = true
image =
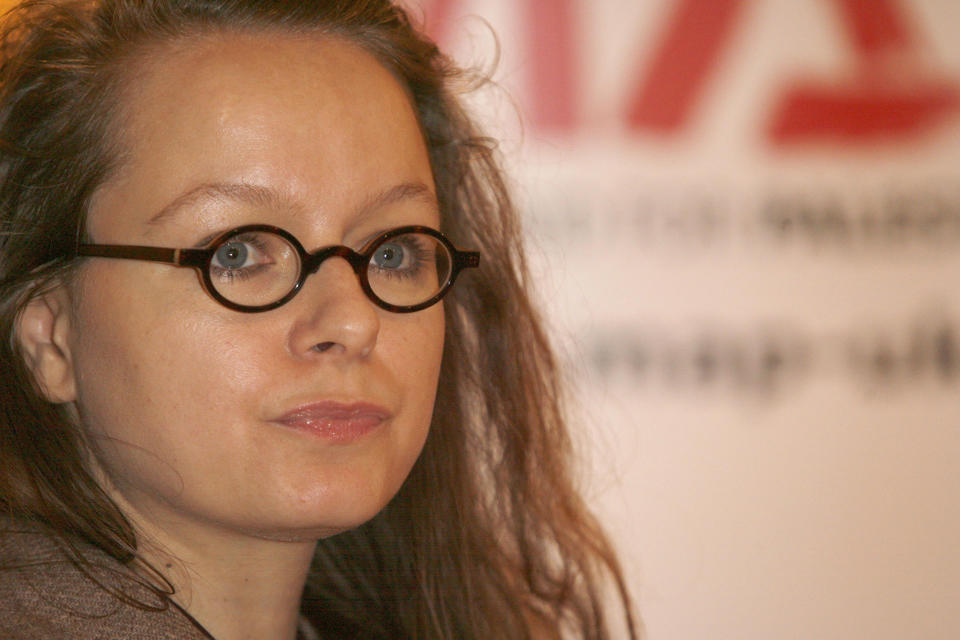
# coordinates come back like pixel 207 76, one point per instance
pixel 335 511
pixel 306 527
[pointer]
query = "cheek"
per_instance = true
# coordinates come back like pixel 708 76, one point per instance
pixel 145 371
pixel 411 347
pixel 418 352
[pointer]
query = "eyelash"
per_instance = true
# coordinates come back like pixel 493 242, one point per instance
pixel 420 258
pixel 244 273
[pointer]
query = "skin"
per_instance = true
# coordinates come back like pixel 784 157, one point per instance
pixel 176 393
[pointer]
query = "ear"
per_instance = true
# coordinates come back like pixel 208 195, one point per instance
pixel 43 330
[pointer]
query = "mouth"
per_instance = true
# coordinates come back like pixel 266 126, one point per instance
pixel 334 421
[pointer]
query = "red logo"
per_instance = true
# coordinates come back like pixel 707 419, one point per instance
pixel 888 93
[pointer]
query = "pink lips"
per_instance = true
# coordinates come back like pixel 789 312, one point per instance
pixel 335 421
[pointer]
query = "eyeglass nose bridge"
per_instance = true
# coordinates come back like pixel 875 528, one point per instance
pixel 312 261
pixel 357 261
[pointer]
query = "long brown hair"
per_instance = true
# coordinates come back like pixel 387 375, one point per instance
pixel 488 537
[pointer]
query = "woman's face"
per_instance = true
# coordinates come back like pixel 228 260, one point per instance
pixel 292 423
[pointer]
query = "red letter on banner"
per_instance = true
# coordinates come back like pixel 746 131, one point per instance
pixel 683 61
pixel 551 48
pixel 891 94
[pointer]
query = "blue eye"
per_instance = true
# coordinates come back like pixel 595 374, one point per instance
pixel 389 256
pixel 232 255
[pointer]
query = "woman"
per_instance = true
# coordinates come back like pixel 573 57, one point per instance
pixel 233 405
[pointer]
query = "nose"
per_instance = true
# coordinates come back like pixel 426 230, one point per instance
pixel 333 314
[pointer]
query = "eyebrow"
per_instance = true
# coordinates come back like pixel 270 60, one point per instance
pixel 397 193
pixel 253 194
pixel 266 197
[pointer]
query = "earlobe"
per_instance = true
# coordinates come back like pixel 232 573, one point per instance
pixel 43 330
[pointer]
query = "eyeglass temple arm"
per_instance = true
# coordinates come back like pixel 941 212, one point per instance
pixel 182 257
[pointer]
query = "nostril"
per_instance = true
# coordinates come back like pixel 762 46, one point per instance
pixel 323 346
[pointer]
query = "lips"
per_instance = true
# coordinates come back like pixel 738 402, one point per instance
pixel 334 421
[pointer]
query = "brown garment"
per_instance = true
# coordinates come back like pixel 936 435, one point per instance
pixel 43 596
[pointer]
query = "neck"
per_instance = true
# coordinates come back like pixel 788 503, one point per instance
pixel 237 586
pixel 239 589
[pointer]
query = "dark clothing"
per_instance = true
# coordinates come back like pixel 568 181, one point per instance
pixel 43 595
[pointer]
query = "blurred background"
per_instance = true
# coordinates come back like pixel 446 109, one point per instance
pixel 745 222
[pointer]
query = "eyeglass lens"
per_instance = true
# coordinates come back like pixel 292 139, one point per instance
pixel 259 268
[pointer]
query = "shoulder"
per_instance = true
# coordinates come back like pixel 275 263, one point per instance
pixel 45 594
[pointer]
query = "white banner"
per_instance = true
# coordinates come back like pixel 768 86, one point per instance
pixel 746 219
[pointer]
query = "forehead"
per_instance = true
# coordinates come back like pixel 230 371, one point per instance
pixel 316 119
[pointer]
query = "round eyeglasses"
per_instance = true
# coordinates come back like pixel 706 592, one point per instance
pixel 258 267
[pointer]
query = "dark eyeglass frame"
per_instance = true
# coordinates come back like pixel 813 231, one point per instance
pixel 310 262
